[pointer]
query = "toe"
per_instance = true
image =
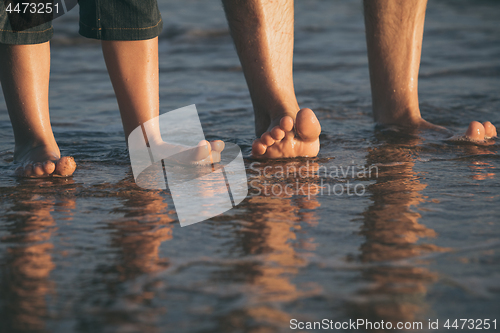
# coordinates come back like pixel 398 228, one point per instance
pixel 217 145
pixel 199 153
pixel 307 125
pixel 286 123
pixel 49 167
pixel 258 148
pixel 475 131
pixel 19 171
pixel 28 170
pixel 267 139
pixel 65 166
pixel 215 156
pixel 277 133
pixel 38 169
pixel 205 145
pixel 490 131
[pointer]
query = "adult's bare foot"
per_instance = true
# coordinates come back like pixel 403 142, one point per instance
pixel 263 32
pixel 284 139
pixel 490 131
pixel 478 132
pixel 394 31
pixel 43 161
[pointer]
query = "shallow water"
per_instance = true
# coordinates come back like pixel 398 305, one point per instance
pixel 95 253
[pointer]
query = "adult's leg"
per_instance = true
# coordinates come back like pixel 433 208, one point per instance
pixel 24 75
pixel 134 72
pixel 394 32
pixel 263 34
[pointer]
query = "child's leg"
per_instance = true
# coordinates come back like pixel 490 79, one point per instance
pixel 24 75
pixel 133 69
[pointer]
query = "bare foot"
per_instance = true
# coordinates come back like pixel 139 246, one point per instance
pixel 476 132
pixel 284 140
pixel 425 125
pixel 205 153
pixel 43 161
pixel 490 131
pixel 480 132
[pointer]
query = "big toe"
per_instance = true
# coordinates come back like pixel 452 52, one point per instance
pixel 475 131
pixel 490 131
pixel 217 145
pixel 307 125
pixel 199 153
pixel 65 166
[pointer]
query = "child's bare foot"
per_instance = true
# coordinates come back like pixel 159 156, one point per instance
pixel 204 154
pixel 285 140
pixel 43 161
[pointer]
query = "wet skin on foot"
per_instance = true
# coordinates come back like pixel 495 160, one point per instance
pixel 302 138
pixel 39 162
pixel 43 161
pixel 289 138
pixel 205 153
pixel 480 132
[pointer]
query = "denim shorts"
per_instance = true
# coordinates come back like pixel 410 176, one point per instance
pixel 99 19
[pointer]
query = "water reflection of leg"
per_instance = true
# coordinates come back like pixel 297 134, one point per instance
pixel 26 282
pixel 132 278
pixel 393 232
pixel 481 169
pixel 271 236
pixel 145 225
pixel 286 179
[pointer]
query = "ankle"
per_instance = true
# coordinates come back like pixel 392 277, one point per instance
pixel 406 117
